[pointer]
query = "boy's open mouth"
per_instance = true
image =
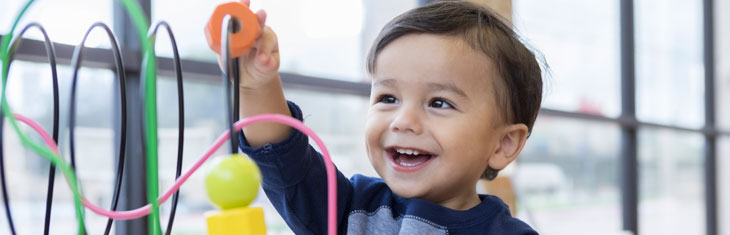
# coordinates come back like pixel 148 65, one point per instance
pixel 407 159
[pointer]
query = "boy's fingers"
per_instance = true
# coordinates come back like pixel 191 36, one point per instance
pixel 267 45
pixel 261 16
pixel 270 40
pixel 246 2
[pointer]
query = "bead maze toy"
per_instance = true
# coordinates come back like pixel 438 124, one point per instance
pixel 231 182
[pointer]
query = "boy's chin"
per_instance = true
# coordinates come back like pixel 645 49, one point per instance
pixel 405 190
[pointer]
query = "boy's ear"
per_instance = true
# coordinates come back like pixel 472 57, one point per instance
pixel 509 145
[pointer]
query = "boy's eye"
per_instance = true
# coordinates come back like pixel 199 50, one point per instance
pixel 388 99
pixel 440 103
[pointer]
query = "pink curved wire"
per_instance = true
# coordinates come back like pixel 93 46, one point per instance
pixel 142 211
pixel 46 138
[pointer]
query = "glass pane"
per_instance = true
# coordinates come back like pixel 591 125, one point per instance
pixel 324 38
pixel 568 172
pixel 722 63
pixel 30 94
pixel 723 183
pixel 671 186
pixel 722 93
pixel 204 122
pixel 585 65
pixel 338 119
pixel 669 67
pixel 65 21
pixel 187 23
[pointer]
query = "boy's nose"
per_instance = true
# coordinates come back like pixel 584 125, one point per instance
pixel 407 120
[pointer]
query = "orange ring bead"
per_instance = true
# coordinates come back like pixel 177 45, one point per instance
pixel 242 40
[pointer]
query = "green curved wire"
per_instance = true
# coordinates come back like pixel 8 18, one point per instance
pixel 141 24
pixel 150 61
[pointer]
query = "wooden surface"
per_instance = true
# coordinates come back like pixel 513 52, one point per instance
pixel 502 187
pixel 502 7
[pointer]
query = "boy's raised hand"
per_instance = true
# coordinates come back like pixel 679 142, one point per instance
pixel 261 90
pixel 261 65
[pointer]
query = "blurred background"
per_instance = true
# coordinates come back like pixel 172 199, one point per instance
pixel 633 137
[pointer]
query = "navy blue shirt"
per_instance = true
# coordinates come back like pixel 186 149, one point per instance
pixel 294 180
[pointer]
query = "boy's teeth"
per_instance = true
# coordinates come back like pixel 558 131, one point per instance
pixel 407 151
pixel 408 164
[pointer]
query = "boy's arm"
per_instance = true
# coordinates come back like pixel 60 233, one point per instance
pixel 260 86
pixel 294 177
pixel 294 180
pixel 268 99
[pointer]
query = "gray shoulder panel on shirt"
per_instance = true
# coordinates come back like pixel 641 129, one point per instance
pixel 381 221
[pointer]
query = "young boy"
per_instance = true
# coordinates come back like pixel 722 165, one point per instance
pixel 454 97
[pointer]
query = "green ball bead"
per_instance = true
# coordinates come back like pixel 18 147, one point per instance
pixel 232 181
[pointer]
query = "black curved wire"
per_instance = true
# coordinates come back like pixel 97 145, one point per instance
pixel 236 98
pixel 76 64
pixel 180 111
pixel 2 182
pixel 230 24
pixel 51 53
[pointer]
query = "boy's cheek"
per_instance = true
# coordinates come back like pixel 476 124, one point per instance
pixel 371 134
pixel 375 121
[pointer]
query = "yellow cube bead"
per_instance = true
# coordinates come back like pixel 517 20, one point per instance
pixel 238 221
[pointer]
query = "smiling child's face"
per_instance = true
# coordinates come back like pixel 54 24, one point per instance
pixel 434 121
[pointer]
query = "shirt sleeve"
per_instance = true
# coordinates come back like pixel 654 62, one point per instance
pixel 294 180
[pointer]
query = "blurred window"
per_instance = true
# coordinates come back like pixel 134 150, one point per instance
pixel 65 21
pixel 722 64
pixel 669 64
pixel 722 94
pixel 568 172
pixel 324 38
pixel 671 179
pixel 30 93
pixel 723 177
pixel 580 42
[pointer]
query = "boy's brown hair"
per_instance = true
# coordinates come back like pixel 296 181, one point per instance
pixel 519 92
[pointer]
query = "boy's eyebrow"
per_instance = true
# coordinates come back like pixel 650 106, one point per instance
pixel 431 85
pixel 448 87
pixel 385 82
